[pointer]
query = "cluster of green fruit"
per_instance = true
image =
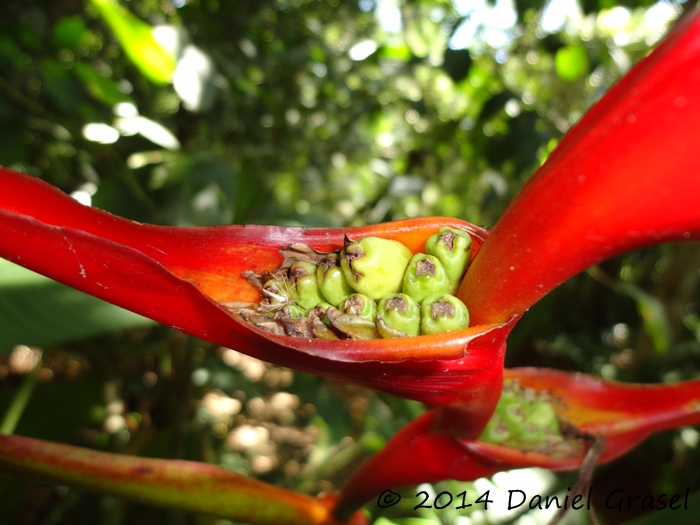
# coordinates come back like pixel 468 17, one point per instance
pixel 372 288
pixel 525 419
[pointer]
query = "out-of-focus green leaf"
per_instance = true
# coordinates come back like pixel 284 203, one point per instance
pixel 396 52
pixel 69 32
pixel 62 86
pixel 457 63
pixel 35 310
pixel 9 51
pixel 136 38
pixel 653 316
pixel 102 88
pixel 572 62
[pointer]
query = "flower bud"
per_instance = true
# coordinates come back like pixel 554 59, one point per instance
pixel 454 250
pixel 398 316
pixel 303 276
pixel 443 313
pixel 425 276
pixel 374 266
pixel 360 305
pixel 331 280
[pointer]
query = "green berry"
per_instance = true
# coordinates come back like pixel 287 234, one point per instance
pixel 398 315
pixel 454 250
pixel 360 305
pixel 443 313
pixel 375 267
pixel 303 276
pixel 331 280
pixel 425 276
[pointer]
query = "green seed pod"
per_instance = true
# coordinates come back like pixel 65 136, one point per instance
pixel 443 313
pixel 303 276
pixel 425 276
pixel 360 305
pixel 331 280
pixel 495 431
pixel 375 267
pixel 279 291
pixel 454 250
pixel 398 315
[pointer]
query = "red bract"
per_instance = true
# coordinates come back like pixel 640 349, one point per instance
pixel 626 176
pixel 184 277
pixel 623 414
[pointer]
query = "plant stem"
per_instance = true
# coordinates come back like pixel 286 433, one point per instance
pixel 19 402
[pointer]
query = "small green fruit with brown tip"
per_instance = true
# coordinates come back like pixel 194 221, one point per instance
pixel 331 280
pixel 303 275
pixel 454 250
pixel 398 315
pixel 374 266
pixel 425 276
pixel 442 313
pixel 360 305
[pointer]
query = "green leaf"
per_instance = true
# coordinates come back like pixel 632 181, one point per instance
pixel 35 310
pixel 653 316
pixel 457 63
pixel 69 32
pixel 571 62
pixel 102 88
pixel 136 38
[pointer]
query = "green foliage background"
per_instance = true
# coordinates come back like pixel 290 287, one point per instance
pixel 290 123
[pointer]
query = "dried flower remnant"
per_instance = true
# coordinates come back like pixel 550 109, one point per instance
pixel 368 289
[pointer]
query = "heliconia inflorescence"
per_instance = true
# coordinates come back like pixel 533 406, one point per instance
pixel 371 288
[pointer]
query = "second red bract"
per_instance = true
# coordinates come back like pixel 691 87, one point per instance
pixel 626 176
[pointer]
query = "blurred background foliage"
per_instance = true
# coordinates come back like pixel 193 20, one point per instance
pixel 316 113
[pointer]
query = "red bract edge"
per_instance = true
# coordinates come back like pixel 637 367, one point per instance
pixel 625 177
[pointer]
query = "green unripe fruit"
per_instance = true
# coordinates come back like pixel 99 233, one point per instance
pixel 331 280
pixel 323 305
pixel 360 305
pixel 443 313
pixel 375 267
pixel 541 413
pixel 292 310
pixel 454 250
pixel 398 316
pixel 320 312
pixel 303 275
pixel 352 326
pixel 425 276
pixel 279 291
pixel 495 431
